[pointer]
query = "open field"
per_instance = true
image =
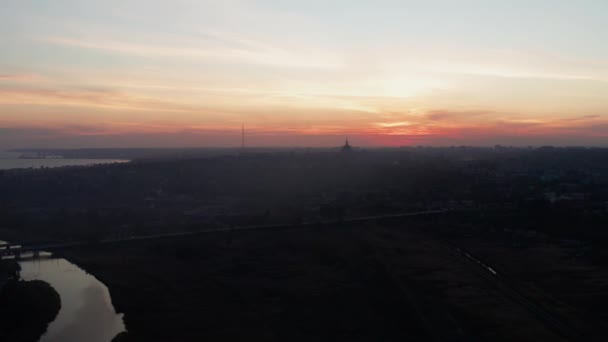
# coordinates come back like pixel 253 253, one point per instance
pixel 366 282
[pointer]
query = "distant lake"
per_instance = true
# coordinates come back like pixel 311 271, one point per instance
pixel 11 160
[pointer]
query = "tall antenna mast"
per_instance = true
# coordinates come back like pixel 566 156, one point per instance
pixel 243 136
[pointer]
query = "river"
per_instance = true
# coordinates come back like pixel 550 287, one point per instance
pixel 87 313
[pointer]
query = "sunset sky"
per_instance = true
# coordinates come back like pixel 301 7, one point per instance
pixel 302 73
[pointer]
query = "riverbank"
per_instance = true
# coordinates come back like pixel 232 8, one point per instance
pixel 9 268
pixel 26 309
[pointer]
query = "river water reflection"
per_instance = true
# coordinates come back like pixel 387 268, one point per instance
pixel 87 313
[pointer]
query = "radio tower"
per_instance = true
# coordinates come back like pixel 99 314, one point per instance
pixel 243 136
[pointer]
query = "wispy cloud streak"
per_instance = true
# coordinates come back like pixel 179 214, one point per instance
pixel 235 51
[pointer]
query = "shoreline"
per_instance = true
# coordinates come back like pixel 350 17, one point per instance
pixel 27 308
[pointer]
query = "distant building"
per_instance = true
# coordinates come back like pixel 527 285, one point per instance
pixel 347 148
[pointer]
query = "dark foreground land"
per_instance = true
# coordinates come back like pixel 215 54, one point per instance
pixel 392 281
pixel 516 251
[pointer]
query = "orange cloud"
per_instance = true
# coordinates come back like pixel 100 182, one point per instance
pixel 21 78
pixel 86 98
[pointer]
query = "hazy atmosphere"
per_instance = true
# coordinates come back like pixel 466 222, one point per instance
pixel 384 73
pixel 328 171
